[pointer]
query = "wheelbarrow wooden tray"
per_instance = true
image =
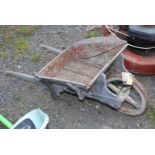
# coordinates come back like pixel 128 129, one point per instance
pixel 73 66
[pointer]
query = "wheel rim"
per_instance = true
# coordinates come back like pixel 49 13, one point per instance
pixel 136 107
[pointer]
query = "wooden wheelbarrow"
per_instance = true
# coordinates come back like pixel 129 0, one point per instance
pixel 82 69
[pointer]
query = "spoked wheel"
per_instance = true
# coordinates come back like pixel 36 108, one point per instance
pixel 135 96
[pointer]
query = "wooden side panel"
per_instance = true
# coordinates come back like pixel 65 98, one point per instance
pixel 54 66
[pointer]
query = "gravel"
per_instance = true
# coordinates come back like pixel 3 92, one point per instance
pixel 18 97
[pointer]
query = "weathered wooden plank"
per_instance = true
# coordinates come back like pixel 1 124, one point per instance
pixel 71 76
pixel 82 68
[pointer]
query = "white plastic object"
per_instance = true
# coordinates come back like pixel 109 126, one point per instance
pixel 37 116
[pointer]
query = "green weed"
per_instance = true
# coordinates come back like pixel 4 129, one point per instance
pixel 36 57
pixel 25 30
pixel 93 33
pixel 21 45
pixel 151 115
pixel 4 55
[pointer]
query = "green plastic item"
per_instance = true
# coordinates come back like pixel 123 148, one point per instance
pixel 5 121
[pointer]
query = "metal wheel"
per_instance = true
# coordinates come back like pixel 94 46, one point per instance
pixel 135 96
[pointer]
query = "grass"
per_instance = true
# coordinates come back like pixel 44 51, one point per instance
pixel 13 36
pixel 19 29
pixel 8 36
pixel 36 57
pixel 13 32
pixel 25 30
pixel 93 33
pixel 4 55
pixel 21 45
pixel 151 115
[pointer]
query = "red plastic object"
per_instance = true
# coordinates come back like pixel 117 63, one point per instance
pixel 139 64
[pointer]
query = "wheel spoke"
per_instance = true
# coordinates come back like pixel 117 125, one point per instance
pixel 132 102
pixel 124 93
pixel 123 90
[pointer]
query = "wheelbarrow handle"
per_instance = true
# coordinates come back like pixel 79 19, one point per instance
pixel 21 76
pixel 51 49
